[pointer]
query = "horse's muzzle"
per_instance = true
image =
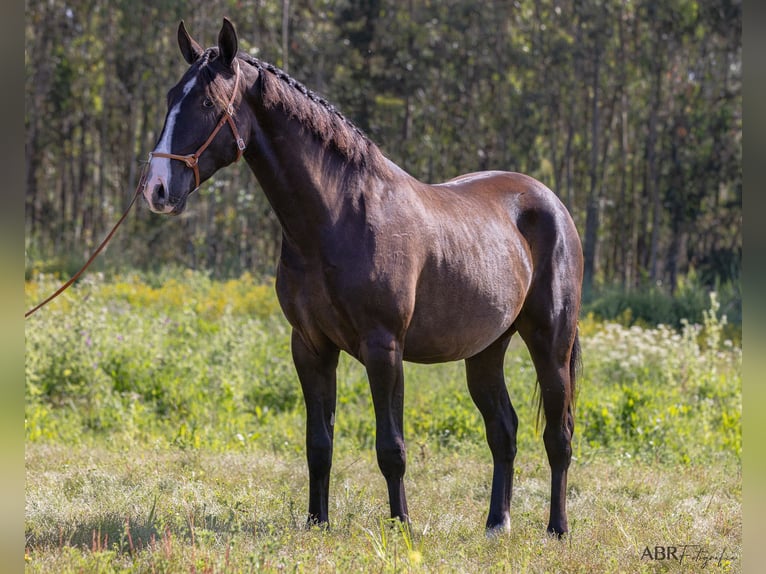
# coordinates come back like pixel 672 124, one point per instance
pixel 157 196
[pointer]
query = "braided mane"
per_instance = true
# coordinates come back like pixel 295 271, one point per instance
pixel 317 114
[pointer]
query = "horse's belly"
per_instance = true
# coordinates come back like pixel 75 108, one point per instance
pixel 451 323
pixel 419 349
pixel 469 292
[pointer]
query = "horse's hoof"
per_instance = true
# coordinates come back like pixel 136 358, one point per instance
pixel 497 530
pixel 313 524
pixel 557 533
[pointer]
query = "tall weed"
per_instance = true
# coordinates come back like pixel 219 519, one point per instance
pixel 663 394
pixel 193 363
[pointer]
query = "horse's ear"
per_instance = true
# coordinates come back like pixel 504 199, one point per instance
pixel 227 42
pixel 189 48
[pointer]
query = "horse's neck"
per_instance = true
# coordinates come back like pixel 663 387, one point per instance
pixel 306 183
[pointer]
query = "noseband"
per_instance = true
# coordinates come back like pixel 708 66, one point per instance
pixel 191 160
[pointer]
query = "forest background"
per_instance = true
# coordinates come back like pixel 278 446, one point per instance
pixel 631 111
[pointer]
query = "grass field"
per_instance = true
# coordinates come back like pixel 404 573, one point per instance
pixel 165 433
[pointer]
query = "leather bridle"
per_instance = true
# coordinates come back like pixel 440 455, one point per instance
pixel 192 160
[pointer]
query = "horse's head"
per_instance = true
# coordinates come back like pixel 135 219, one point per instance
pixel 201 134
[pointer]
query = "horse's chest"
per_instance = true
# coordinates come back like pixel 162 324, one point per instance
pixel 315 302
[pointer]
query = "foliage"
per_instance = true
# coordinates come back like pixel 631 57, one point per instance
pixel 197 362
pixel 654 305
pixel 668 388
pixel 175 359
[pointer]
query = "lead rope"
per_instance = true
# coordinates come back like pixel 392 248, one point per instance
pixel 60 290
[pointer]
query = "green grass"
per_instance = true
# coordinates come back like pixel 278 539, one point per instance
pixel 165 433
pixel 244 512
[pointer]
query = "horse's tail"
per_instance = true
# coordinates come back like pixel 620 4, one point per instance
pixel 575 364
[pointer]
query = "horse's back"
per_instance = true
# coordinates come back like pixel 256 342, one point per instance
pixel 534 209
pixel 517 192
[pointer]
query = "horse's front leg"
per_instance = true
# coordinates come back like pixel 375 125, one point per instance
pixel 381 353
pixel 316 370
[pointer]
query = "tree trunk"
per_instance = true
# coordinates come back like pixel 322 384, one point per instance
pixel 285 35
pixel 652 164
pixel 592 210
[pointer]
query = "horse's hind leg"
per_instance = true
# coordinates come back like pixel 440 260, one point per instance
pixel 316 371
pixel 551 341
pixel 487 386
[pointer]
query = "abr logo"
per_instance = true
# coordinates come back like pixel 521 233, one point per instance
pixel 660 553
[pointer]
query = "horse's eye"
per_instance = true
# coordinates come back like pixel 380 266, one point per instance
pixel 207 102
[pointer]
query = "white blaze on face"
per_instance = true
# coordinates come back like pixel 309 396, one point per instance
pixel 159 168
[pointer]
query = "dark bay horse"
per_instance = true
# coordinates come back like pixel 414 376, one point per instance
pixel 384 267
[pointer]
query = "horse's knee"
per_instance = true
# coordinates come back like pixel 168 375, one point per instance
pixel 558 444
pixel 501 437
pixel 392 459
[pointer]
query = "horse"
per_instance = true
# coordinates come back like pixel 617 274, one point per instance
pixel 384 267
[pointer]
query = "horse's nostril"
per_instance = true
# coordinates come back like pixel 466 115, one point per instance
pixel 159 195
